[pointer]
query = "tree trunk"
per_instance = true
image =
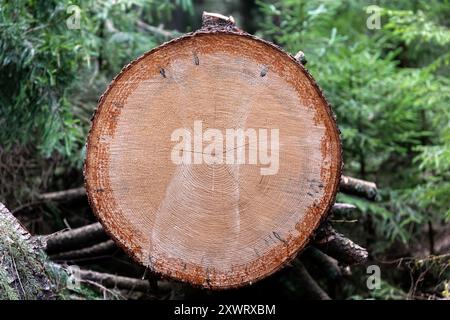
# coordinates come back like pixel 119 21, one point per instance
pixel 24 273
pixel 213 158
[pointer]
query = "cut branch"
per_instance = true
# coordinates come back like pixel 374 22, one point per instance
pixel 300 57
pixel 358 187
pixel 66 195
pixel 97 250
pixel 310 285
pixel 120 282
pixel 75 238
pixel 339 247
pixel 343 209
pixel 327 265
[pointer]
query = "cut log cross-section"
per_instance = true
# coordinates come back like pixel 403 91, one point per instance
pixel 213 158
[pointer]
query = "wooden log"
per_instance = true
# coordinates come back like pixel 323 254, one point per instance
pixel 23 272
pixel 75 238
pixel 121 282
pixel 65 195
pixel 343 209
pixel 358 187
pixel 212 158
pixel 339 247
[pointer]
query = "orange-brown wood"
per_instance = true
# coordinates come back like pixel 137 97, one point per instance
pixel 218 224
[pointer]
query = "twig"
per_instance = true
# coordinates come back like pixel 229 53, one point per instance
pixel 157 30
pixel 100 249
pixel 65 195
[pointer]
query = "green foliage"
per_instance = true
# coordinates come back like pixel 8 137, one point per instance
pixel 44 64
pixel 51 77
pixel 394 116
pixel 385 292
pixel 390 90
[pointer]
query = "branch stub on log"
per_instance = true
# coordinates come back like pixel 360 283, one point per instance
pixel 222 223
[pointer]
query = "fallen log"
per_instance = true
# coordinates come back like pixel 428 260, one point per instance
pixel 23 271
pixel 26 273
pixel 226 187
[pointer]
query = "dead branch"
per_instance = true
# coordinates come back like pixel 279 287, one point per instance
pixel 120 282
pixel 338 246
pixel 310 285
pixel 66 195
pixel 98 250
pixel 324 263
pixel 156 30
pixel 343 209
pixel 75 239
pixel 358 187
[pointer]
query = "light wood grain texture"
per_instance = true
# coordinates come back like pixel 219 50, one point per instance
pixel 215 225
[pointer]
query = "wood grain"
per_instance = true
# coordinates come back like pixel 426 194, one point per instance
pixel 214 225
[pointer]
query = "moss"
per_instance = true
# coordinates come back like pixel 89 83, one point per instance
pixel 23 271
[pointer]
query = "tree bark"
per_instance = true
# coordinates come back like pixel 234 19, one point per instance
pixel 66 195
pixel 358 187
pixel 23 271
pixel 98 250
pixel 75 238
pixel 339 247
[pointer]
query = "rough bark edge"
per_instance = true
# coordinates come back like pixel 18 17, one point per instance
pixel 23 272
